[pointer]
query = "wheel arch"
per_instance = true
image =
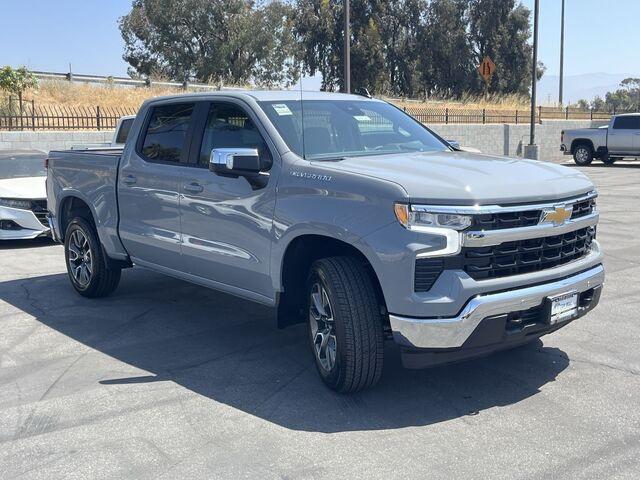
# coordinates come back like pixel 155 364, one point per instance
pixel 296 261
pixel 581 141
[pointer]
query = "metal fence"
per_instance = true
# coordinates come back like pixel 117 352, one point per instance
pixel 29 116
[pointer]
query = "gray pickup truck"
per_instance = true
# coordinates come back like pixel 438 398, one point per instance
pixel 609 143
pixel 341 212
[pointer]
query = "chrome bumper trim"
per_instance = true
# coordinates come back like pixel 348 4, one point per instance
pixel 489 238
pixel 453 332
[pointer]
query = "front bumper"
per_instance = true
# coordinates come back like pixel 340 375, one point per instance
pixel 19 224
pixel 469 329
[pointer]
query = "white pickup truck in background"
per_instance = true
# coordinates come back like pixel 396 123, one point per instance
pixel 119 136
pixel 609 143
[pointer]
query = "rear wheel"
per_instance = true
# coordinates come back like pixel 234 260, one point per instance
pixel 345 324
pixel 583 154
pixel 85 261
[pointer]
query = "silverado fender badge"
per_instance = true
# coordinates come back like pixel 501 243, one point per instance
pixel 558 216
pixel 310 176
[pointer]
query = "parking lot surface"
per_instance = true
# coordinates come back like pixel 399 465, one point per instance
pixel 169 380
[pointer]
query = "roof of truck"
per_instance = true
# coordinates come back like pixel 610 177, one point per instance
pixel 270 95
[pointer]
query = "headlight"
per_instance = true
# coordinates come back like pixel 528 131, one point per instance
pixel 15 203
pixel 413 217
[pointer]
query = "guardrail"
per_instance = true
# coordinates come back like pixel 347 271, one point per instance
pixel 123 81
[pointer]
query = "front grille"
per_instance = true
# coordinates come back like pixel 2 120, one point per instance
pixel 524 256
pixel 584 208
pixel 499 221
pixel 39 209
pixel 511 258
pixel 527 218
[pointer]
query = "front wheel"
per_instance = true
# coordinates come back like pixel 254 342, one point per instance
pixel 583 155
pixel 345 324
pixel 85 261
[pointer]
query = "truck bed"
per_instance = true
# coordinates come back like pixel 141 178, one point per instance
pixel 92 176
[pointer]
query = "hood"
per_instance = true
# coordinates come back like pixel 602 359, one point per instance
pixel 27 188
pixel 462 178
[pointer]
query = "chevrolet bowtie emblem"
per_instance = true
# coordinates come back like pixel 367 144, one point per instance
pixel 557 216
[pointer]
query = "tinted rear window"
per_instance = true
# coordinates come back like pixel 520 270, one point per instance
pixel 125 128
pixel 167 132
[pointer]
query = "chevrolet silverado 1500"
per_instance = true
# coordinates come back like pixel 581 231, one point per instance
pixel 339 211
pixel 620 138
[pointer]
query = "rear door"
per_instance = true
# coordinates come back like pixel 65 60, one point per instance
pixel 227 223
pixel 623 134
pixel 149 186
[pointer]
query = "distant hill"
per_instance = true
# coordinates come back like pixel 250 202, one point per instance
pixel 587 86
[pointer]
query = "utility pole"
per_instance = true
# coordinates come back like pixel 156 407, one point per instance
pixel 347 49
pixel 561 55
pixel 531 150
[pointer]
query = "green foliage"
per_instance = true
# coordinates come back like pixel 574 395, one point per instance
pixel 17 81
pixel 218 41
pixel 626 98
pixel 398 47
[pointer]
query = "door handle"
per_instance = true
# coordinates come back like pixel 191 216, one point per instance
pixel 193 187
pixel 129 179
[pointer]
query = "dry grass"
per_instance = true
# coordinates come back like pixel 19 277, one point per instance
pixel 468 101
pixel 60 93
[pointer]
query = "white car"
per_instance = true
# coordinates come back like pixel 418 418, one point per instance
pixel 23 198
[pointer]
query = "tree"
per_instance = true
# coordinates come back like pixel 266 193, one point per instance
pixel 500 29
pixel 222 41
pixel 17 81
pixel 446 59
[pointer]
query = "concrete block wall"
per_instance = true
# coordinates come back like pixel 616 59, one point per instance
pixel 45 140
pixel 510 139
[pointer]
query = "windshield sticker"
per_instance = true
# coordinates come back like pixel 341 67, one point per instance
pixel 282 110
pixel 362 118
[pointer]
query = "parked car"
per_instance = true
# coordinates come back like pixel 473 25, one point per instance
pixel 609 143
pixel 119 136
pixel 23 200
pixel 342 212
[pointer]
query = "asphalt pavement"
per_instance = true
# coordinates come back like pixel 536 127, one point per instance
pixel 168 380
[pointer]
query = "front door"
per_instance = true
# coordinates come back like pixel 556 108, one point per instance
pixel 226 223
pixel 149 187
pixel 624 134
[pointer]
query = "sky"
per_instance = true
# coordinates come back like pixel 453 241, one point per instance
pixel 600 35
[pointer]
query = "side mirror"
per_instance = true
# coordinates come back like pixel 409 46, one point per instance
pixel 235 161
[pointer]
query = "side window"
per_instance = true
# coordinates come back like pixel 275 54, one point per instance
pixel 166 132
pixel 229 126
pixel 627 123
pixel 123 133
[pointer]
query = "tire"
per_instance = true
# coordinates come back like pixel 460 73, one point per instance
pixel 583 154
pixel 85 261
pixel 343 306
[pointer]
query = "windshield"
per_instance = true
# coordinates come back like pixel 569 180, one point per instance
pixel 346 128
pixel 19 166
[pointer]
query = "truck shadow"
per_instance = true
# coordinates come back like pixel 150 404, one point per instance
pixel 228 350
